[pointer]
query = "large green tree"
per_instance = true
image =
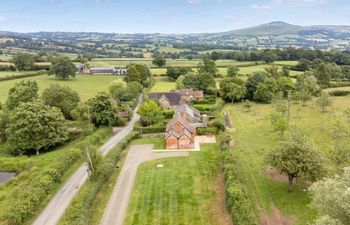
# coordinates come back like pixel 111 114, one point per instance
pixel 23 61
pixel 232 71
pixel 62 68
pixel 208 66
pixel 150 113
pixel 102 112
pixel 159 60
pixel 137 72
pixel 23 91
pixel 174 73
pixel 266 91
pixel 63 97
pixel 35 126
pixel 200 81
pixel 331 198
pixel 232 89
pixel 252 83
pixel 296 157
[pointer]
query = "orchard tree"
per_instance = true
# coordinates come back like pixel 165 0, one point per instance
pixel 102 112
pixel 62 68
pixel 324 101
pixel 150 113
pixel 23 91
pixel 232 89
pixel 297 157
pixel 173 73
pixel 62 97
pixel 232 71
pixel 208 66
pixel 247 105
pixel 332 199
pixel 23 61
pixel 35 126
pixel 137 72
pixel 159 60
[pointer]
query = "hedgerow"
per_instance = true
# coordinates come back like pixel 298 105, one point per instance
pixel 79 211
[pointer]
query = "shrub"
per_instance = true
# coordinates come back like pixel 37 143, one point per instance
pixel 339 93
pixel 218 123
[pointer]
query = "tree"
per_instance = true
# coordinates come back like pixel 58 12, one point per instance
pixel 180 82
pixel 324 101
pixel 232 89
pixel 266 91
pixel 62 97
pixel 23 91
pixel 23 61
pixel 269 57
pixel 173 73
pixel 332 199
pixel 252 83
pixel 35 126
pixel 62 68
pixel 82 116
pixel 159 60
pixel 201 81
pixel 247 105
pixel 232 71
pixel 103 113
pixel 296 157
pixel 150 113
pixel 137 72
pixel 124 91
pixel 208 66
pixel 273 71
pixel 285 85
pixel 117 88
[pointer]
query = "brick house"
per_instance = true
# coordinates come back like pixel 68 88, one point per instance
pixel 166 99
pixel 189 94
pixel 189 113
pixel 179 134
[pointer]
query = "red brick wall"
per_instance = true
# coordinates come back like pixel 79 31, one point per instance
pixel 171 143
pixel 184 142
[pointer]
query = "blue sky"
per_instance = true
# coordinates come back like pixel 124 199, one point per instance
pixel 165 16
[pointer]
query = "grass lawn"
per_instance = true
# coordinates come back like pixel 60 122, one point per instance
pixel 181 192
pixel 86 85
pixel 163 85
pixel 255 138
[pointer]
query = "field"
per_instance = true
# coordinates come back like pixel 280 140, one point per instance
pixel 181 192
pixel 86 85
pixel 252 69
pixel 163 85
pixel 15 73
pixel 269 191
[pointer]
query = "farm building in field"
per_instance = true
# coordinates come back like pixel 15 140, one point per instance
pixel 189 94
pixel 107 70
pixel 166 99
pixel 179 134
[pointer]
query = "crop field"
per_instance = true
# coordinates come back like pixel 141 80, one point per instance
pixel 181 192
pixel 86 85
pixel 266 190
pixel 163 85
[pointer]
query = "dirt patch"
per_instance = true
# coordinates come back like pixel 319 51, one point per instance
pixel 276 217
pixel 218 208
pixel 275 175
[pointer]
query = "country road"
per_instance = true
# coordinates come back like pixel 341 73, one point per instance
pixel 55 209
pixel 116 209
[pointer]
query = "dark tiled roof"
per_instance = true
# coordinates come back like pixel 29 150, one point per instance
pixel 173 98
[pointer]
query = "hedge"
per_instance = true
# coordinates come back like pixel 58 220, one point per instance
pixel 339 93
pixel 79 213
pixel 150 130
pixel 237 201
pixel 12 77
pixel 207 130
pixel 34 192
pixel 340 84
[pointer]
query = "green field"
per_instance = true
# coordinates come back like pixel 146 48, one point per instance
pixel 86 85
pixel 263 191
pixel 163 85
pixel 252 69
pixel 181 192
pixel 14 73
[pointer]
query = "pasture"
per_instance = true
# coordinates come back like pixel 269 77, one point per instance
pixel 86 85
pixel 183 191
pixel 267 189
pixel 163 85
pixel 15 73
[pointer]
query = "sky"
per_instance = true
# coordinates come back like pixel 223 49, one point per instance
pixel 165 16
